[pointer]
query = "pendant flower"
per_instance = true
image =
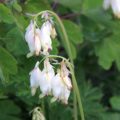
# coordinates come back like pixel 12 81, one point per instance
pixel 35 75
pixel 45 37
pixel 32 37
pixel 47 32
pixel 114 4
pixel 61 84
pixel 46 78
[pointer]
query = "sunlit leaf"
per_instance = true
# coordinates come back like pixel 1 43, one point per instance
pixel 7 61
pixel 115 102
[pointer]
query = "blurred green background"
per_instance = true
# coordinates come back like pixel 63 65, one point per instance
pixel 94 36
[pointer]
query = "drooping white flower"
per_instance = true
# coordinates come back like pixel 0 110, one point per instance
pixel 47 32
pixel 35 75
pixel 46 78
pixel 32 37
pixel 65 75
pixel 45 37
pixel 115 5
pixel 61 84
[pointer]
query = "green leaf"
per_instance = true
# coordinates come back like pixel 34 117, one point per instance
pixel 73 50
pixel 1 75
pixel 91 97
pixel 7 62
pixel 73 31
pixel 15 36
pixel 5 14
pixel 115 102
pixel 11 112
pixel 36 6
pixel 91 4
pixel 16 6
pixel 111 116
pixel 74 5
pixel 99 16
pixel 108 51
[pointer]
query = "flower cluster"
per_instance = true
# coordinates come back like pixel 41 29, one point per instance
pixel 58 85
pixel 39 39
pixel 114 4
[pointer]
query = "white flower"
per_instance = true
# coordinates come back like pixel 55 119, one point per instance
pixel 47 32
pixel 115 5
pixel 32 37
pixel 61 84
pixel 46 78
pixel 45 37
pixel 35 75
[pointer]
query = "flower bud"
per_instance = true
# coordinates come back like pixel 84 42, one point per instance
pixel 53 32
pixel 37 114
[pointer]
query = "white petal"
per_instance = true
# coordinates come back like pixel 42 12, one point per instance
pixel 46 27
pixel 37 42
pixel 59 89
pixel 45 37
pixel 29 36
pixel 67 82
pixel 66 94
pixel 57 86
pixel 64 69
pixel 35 78
pixel 65 75
pixel 46 78
pixel 30 27
pixel 32 37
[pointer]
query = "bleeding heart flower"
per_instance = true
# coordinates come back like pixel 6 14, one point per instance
pixel 33 39
pixel 61 84
pixel 35 76
pixel 46 78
